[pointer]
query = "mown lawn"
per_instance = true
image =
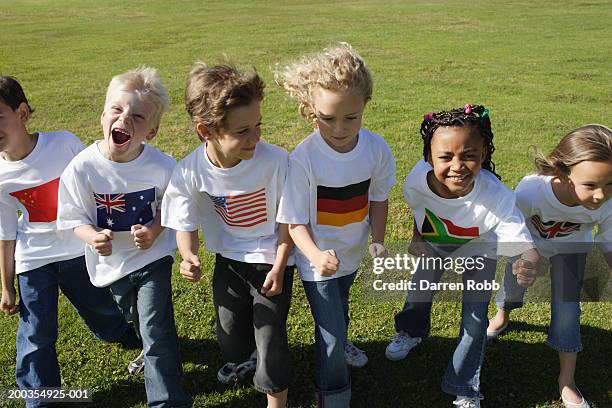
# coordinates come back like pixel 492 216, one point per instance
pixel 542 68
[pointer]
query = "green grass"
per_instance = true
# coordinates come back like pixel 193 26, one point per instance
pixel 542 68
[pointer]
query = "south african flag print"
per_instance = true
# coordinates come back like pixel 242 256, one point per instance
pixel 439 230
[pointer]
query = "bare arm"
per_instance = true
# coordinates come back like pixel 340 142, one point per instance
pixel 8 304
pixel 100 240
pixel 378 223
pixel 325 262
pixel 273 285
pixel 188 243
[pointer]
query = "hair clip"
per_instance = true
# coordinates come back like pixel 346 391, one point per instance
pixel 485 113
pixel 468 108
pixel 428 117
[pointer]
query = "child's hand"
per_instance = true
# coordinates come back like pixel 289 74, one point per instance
pixel 378 250
pixel 144 236
pixel 102 242
pixel 273 285
pixel 190 268
pixel 327 263
pixel 8 303
pixel 526 268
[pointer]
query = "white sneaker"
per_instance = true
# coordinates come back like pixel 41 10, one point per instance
pixel 400 346
pixel 355 357
pixel 467 402
pixel 581 404
pixel 137 365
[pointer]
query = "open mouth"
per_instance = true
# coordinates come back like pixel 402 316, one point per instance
pixel 120 137
pixel 458 179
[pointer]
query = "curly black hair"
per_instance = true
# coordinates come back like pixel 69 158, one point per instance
pixel 476 116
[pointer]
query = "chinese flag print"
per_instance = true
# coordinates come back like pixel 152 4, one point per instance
pixel 40 202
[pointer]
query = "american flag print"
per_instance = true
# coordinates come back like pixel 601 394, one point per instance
pixel 553 229
pixel 119 211
pixel 242 210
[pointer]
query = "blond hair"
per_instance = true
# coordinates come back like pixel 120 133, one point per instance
pixel 586 143
pixel 337 67
pixel 213 91
pixel 146 82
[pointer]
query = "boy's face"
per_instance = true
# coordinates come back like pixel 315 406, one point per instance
pixel 338 116
pixel 127 121
pixel 237 139
pixel 12 126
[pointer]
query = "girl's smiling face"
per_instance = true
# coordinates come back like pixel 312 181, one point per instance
pixel 456 156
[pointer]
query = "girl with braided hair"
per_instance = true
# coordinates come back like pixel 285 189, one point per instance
pixel 461 207
pixel 569 194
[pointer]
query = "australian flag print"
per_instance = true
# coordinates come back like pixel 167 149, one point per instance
pixel 118 212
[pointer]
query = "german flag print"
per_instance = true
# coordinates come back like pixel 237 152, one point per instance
pixel 340 206
pixel 439 230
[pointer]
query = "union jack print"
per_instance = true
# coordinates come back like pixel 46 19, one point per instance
pixel 110 202
pixel 553 229
pixel 242 210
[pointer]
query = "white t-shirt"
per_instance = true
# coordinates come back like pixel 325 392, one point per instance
pixel 331 192
pixel 487 214
pixel 557 228
pixel 30 186
pixel 236 206
pixel 115 196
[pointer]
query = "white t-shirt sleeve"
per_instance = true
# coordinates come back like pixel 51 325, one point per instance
pixel 294 207
pixel 384 176
pixel 180 209
pixel 74 200
pixel 513 237
pixel 8 221
pixel 603 238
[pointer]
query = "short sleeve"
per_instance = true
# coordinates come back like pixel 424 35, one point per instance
pixel 75 199
pixel 281 178
pixel 603 238
pixel 8 221
pixel 513 237
pixel 294 207
pixel 384 176
pixel 180 207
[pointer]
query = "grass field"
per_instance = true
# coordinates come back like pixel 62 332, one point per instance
pixel 542 69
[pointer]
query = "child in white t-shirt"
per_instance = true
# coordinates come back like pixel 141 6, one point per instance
pixel 110 194
pixel 335 196
pixel 567 197
pixel 231 186
pixel 44 258
pixel 459 204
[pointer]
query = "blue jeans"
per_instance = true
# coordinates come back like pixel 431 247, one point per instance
pixel 566 274
pixel 329 307
pixel 36 364
pixel 145 296
pixel 462 376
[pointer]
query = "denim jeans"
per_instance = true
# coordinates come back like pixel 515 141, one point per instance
pixel 329 307
pixel 462 376
pixel 145 296
pixel 247 319
pixel 566 274
pixel 36 364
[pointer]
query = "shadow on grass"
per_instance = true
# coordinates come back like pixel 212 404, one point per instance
pixel 515 374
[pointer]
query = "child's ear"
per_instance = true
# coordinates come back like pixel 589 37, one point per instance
pixel 153 132
pixel 203 132
pixel 23 112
